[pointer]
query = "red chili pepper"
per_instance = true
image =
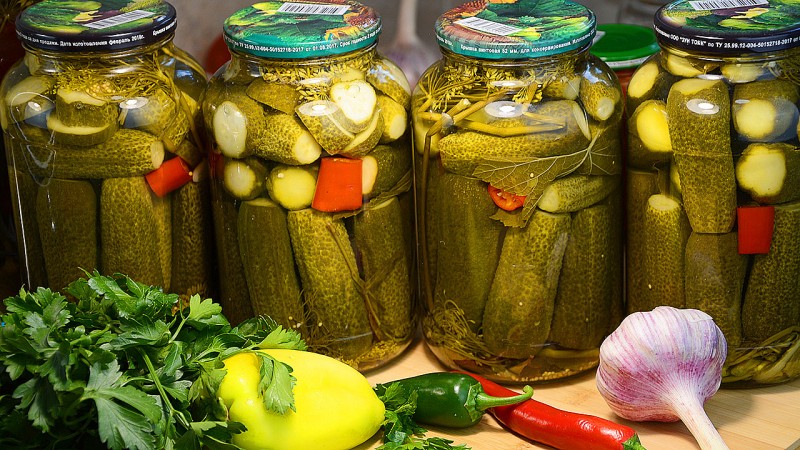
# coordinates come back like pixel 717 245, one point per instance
pixel 505 200
pixel 172 174
pixel 559 429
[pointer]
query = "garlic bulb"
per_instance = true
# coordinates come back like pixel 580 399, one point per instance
pixel 662 366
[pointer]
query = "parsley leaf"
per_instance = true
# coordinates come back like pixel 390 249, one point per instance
pixel 121 364
pixel 400 432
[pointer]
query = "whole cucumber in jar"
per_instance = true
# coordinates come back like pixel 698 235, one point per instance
pixel 713 140
pixel 309 128
pixel 518 168
pixel 101 120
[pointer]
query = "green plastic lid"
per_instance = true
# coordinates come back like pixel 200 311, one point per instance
pixel 515 29
pixel 95 26
pixel 624 46
pixel 302 28
pixel 729 26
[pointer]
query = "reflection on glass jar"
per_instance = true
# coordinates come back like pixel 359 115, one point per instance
pixel 518 169
pixel 713 181
pixel 101 125
pixel 312 179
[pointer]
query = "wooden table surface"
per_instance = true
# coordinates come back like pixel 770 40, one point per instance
pixel 765 418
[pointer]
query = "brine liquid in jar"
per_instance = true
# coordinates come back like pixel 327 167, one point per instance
pixel 518 174
pixel 313 207
pixel 713 179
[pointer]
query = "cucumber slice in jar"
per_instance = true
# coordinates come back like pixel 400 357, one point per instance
pixel 358 101
pixel 292 187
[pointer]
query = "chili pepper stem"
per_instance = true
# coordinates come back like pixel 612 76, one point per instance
pixel 633 444
pixel 485 401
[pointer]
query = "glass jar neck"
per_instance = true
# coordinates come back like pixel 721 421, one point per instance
pixel 55 60
pixel 526 64
pixel 747 57
pixel 356 60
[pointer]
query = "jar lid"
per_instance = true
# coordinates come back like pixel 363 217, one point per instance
pixel 729 26
pixel 515 29
pixel 302 28
pixel 622 45
pixel 95 26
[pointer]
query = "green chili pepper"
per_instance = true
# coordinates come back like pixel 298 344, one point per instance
pixel 450 399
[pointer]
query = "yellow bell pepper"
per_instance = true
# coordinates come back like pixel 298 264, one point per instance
pixel 335 406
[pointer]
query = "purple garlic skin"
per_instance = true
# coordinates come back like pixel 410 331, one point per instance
pixel 657 361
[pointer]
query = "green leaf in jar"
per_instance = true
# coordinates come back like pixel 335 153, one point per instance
pixel 528 177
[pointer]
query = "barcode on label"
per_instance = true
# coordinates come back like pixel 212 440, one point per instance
pixel 707 5
pixel 314 8
pixel 487 26
pixel 119 20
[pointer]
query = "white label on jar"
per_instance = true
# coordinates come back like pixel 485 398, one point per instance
pixel 487 26
pixel 707 5
pixel 314 8
pixel 119 19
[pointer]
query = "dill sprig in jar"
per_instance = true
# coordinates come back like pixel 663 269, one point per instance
pixel 312 178
pixel 518 168
pixel 713 179
pixel 102 127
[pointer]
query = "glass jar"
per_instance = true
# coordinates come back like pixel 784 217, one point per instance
pixel 101 121
pixel 518 168
pixel 312 178
pixel 713 180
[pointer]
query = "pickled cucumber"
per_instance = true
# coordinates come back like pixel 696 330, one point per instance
pixel 379 236
pixel 462 151
pixel 388 78
pixel 649 82
pixel 244 179
pixel 127 154
pixel 234 293
pixel 640 186
pixel 467 244
pixel 242 128
pixel 158 114
pixel 575 192
pixel 324 120
pixel 519 312
pixel 591 264
pixel 383 168
pixel 395 119
pixel 31 255
pixel 292 187
pixel 366 140
pixel 665 231
pixel 79 109
pixel 284 139
pixel 66 213
pixel 649 143
pixel 327 266
pixel 236 124
pixel 192 257
pixel 564 87
pixel 268 263
pixel 162 207
pixel 766 111
pixel 358 101
pixel 770 301
pixel 129 230
pixel 742 72
pixel 715 276
pixel 279 96
pixel 770 173
pixel 699 128
pixel 599 93
pixel 79 135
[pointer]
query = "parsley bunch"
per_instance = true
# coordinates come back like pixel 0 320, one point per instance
pixel 120 365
